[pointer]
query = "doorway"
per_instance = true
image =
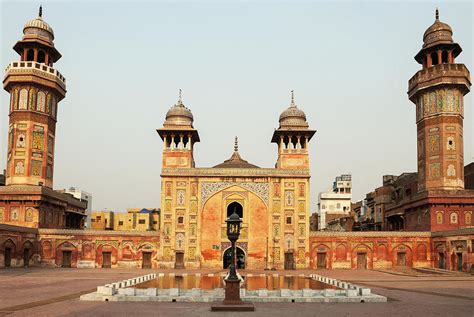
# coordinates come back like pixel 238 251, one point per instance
pixel 106 260
pixel 401 259
pixel 67 255
pixel 459 262
pixel 321 260
pixel 361 261
pixel 8 257
pixel 289 261
pixel 240 258
pixel 26 257
pixel 146 261
pixel 179 263
pixel 441 261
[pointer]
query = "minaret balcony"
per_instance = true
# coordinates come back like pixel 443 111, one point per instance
pixel 451 74
pixel 28 71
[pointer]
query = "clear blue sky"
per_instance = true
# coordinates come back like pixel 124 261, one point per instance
pixel 348 62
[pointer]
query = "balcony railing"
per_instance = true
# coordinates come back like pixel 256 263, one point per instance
pixel 37 66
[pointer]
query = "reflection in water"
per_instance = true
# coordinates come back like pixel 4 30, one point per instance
pixel 253 282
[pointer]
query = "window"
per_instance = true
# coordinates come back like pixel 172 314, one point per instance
pixel 338 206
pixel 155 222
pixel 99 218
pixel 120 223
pixel 348 190
pixel 468 218
pixel 180 220
pixel 323 207
pixel 141 221
pixel 92 220
pixel 439 217
pixel 288 220
pixel 453 218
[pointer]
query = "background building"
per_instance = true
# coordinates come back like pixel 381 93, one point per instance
pixel 336 202
pixel 82 196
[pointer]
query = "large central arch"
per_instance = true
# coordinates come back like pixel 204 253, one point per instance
pixel 235 207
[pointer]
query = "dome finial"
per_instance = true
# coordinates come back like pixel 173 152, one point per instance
pixel 292 99
pixel 437 14
pixel 236 144
pixel 40 14
pixel 180 98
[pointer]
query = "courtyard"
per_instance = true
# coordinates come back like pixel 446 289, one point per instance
pixel 55 292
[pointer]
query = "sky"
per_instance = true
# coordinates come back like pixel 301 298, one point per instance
pixel 236 61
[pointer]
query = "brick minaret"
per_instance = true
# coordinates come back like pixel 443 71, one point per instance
pixel 179 136
pixel 35 89
pixel 438 91
pixel 292 137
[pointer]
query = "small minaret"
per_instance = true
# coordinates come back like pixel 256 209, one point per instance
pixel 179 136
pixel 35 89
pixel 292 137
pixel 438 91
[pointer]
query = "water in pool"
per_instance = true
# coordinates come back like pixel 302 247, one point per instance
pixel 253 282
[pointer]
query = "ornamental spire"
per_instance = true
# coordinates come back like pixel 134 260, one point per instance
pixel 236 144
pixel 40 13
pixel 180 98
pixel 292 104
pixel 437 14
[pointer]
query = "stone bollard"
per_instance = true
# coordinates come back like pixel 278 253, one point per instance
pixel 151 291
pixel 105 290
pixel 351 292
pixel 263 292
pixel 329 292
pixel 127 291
pixel 284 292
pixel 174 292
pixel 307 292
pixel 196 292
pixel 364 291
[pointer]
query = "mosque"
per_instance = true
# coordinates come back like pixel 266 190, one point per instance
pixel 43 227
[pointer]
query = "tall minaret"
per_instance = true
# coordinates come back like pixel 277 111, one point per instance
pixel 35 89
pixel 438 91
pixel 179 136
pixel 292 137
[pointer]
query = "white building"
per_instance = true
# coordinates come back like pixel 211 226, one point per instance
pixel 335 202
pixel 82 196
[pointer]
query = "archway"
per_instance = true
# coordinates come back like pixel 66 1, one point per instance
pixel 240 258
pixel 235 206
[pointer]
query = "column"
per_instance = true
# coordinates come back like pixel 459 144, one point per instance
pixel 450 57
pixel 172 145
pixel 298 144
pixel 440 55
pixel 181 143
pixel 36 55
pixel 189 141
pixel 429 61
pixel 282 145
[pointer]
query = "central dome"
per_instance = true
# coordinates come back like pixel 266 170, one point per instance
pixel 293 117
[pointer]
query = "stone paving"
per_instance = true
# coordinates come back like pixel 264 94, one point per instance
pixel 55 292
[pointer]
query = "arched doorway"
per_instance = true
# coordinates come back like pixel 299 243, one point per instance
pixel 235 206
pixel 240 258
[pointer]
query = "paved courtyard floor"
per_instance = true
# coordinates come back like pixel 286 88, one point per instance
pixel 55 292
